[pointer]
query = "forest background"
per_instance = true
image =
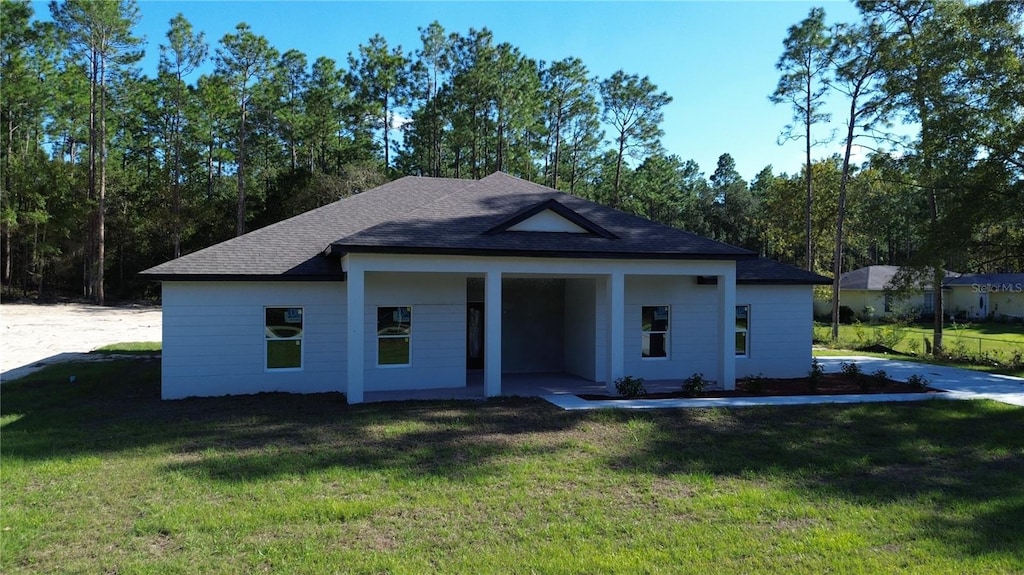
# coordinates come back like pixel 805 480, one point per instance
pixel 909 115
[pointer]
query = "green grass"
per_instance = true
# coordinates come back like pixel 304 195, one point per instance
pixel 992 347
pixel 101 476
pixel 131 347
pixel 987 337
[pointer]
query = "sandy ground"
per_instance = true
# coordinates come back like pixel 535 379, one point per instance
pixel 34 335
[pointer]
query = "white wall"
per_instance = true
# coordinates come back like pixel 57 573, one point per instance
pixel 438 330
pixel 780 330
pixel 580 325
pixel 693 327
pixel 214 342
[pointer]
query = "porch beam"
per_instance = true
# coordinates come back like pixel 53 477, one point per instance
pixel 355 300
pixel 615 291
pixel 492 333
pixel 727 329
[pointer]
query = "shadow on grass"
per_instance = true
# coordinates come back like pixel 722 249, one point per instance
pixel 966 456
pixel 115 406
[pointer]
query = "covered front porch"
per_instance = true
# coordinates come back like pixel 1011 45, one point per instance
pixel 697 333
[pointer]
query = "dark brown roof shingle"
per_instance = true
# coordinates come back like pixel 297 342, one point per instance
pixel 452 216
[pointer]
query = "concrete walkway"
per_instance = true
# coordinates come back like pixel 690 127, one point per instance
pixel 958 383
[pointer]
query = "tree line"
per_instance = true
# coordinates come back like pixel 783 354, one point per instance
pixel 107 171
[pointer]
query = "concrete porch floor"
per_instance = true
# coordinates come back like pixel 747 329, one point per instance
pixel 513 385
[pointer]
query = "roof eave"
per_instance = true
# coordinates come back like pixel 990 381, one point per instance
pixel 191 277
pixel 337 250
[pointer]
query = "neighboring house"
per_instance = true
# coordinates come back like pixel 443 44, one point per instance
pixel 409 285
pixel 980 296
pixel 868 292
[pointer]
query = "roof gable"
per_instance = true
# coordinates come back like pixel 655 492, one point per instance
pixel 550 216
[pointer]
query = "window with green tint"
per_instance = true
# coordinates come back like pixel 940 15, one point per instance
pixel 282 331
pixel 654 331
pixel 743 330
pixel 394 335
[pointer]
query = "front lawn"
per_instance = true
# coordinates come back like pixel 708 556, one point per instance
pixel 99 476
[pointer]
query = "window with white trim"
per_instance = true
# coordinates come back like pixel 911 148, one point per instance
pixel 394 335
pixel 654 331
pixel 742 330
pixel 282 331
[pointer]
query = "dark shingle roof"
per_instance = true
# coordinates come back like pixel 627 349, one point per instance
pixel 458 223
pixel 989 280
pixel 770 272
pixel 293 248
pixel 451 216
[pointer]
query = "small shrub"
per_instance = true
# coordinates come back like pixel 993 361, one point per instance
pixel 853 372
pixel 918 382
pixel 868 313
pixel 816 374
pixel 913 346
pixel 630 386
pixel 1017 359
pixel 695 383
pixel 755 383
pixel 846 314
pixel 891 335
pixel 878 377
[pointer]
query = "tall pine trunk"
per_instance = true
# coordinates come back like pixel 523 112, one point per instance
pixel 102 205
pixel 837 261
pixel 240 221
pixel 809 181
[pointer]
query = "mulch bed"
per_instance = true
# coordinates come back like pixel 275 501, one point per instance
pixel 829 384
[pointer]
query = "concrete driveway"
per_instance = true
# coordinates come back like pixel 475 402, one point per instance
pixel 35 335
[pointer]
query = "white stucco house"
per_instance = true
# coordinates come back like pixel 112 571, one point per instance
pixel 414 284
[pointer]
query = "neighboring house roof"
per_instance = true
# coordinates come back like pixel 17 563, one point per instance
pixel 878 278
pixel 989 280
pixel 452 216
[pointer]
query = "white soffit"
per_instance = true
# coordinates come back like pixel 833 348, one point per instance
pixel 547 221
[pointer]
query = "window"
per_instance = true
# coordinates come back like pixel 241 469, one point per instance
pixel 654 326
pixel 283 333
pixel 394 330
pixel 742 330
pixel 929 301
pixel 888 303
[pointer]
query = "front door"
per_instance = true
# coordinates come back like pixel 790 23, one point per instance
pixel 475 335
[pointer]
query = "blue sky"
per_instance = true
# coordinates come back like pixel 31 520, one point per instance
pixel 716 59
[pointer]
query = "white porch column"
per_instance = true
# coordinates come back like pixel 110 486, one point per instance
pixel 355 328
pixel 492 334
pixel 615 291
pixel 727 329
